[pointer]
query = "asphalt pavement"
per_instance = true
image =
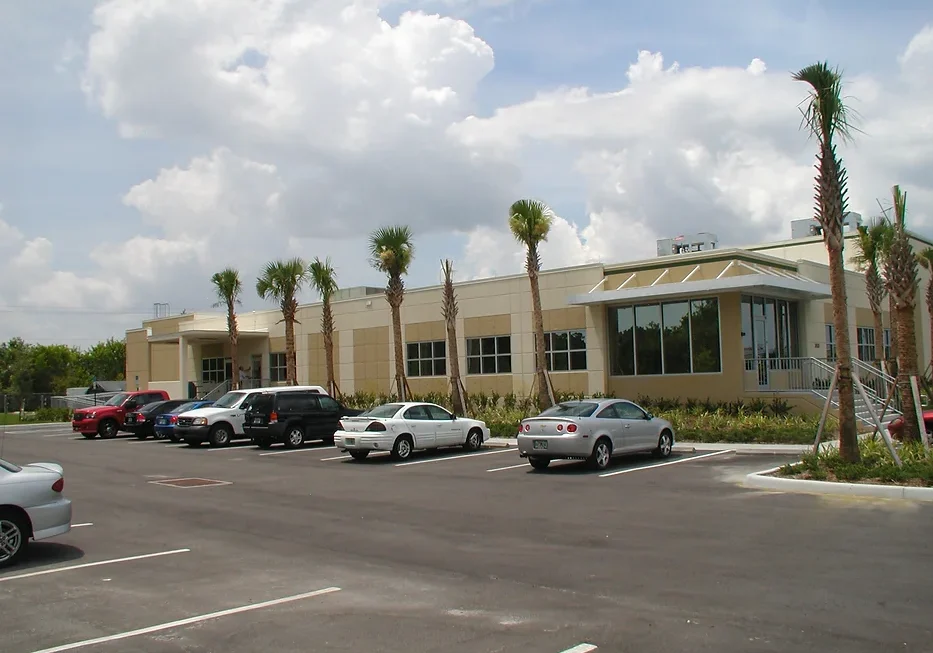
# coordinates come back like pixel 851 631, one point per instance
pixel 308 550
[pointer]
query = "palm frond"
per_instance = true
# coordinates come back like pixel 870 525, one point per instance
pixel 323 277
pixel 825 113
pixel 391 249
pixel 227 286
pixel 925 258
pixel 280 280
pixel 530 221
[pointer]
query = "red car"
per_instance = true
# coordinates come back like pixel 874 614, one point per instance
pixel 897 426
pixel 107 419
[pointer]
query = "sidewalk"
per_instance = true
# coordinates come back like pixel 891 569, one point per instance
pixel 700 446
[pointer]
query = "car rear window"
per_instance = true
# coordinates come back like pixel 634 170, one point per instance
pixel 296 401
pixel 386 410
pixel 570 409
pixel 10 467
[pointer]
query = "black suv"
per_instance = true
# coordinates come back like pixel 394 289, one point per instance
pixel 293 418
pixel 141 422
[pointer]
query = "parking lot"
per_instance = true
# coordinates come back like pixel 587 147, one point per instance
pixel 307 550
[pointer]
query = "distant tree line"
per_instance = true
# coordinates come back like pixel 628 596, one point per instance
pixel 49 369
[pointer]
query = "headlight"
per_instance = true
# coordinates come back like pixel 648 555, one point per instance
pixel 200 421
pixel 91 415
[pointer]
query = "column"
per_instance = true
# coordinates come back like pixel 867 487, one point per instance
pixel 183 366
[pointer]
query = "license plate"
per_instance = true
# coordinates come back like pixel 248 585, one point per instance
pixel 255 420
pixel 349 440
pixel 539 444
pixel 162 420
pixel 130 420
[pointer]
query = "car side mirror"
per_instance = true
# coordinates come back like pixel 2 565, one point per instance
pixel 649 416
pixel 453 417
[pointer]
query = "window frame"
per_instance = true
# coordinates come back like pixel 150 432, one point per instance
pixel 278 373
pixel 829 334
pixel 434 359
pixel 549 352
pixel 210 373
pixel 861 343
pixel 496 356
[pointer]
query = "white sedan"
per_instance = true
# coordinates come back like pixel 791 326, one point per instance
pixel 404 427
pixel 31 506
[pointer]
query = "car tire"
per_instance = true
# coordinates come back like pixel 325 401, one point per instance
pixel 14 537
pixel 108 429
pixel 89 436
pixel 263 443
pixel 359 454
pixel 601 455
pixel 159 435
pixel 294 437
pixel 194 444
pixel 474 440
pixel 402 448
pixel 665 445
pixel 220 436
pixel 174 438
pixel 539 464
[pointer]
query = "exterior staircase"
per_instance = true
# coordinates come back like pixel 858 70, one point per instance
pixel 877 384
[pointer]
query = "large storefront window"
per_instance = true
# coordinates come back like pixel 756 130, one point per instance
pixel 769 329
pixel 670 338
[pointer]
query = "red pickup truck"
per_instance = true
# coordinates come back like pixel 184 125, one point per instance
pixel 106 420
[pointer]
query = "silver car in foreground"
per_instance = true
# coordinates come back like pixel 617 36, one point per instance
pixel 593 430
pixel 31 506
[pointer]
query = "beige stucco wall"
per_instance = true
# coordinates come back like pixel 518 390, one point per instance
pixel 137 358
pixel 163 361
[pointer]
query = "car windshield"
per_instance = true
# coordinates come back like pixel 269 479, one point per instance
pixel 385 410
pixel 570 409
pixel 191 405
pixel 10 467
pixel 229 400
pixel 117 399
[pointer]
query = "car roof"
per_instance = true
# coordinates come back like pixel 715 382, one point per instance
pixel 284 388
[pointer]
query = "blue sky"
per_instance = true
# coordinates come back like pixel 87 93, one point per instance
pixel 64 167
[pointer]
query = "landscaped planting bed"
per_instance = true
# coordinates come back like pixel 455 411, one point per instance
pixel 877 465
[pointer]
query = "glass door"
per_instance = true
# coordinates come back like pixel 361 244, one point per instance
pixel 761 349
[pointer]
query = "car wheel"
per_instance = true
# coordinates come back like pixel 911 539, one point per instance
pixel 14 536
pixel 359 454
pixel 474 440
pixel 602 454
pixel 263 443
pixel 107 429
pixel 294 437
pixel 402 448
pixel 665 445
pixel 220 436
pixel 539 463
pixel 160 435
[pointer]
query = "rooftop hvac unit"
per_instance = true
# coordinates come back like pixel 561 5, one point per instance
pixel 699 242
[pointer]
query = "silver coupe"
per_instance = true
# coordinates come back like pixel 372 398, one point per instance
pixel 31 506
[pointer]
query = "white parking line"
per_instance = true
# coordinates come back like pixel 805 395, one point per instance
pixel 502 469
pixel 670 462
pixel 60 434
pixel 279 453
pixel 445 458
pixel 581 648
pixel 186 622
pixel 90 523
pixel 3 579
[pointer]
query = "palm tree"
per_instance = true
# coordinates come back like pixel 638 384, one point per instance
pixel 902 272
pixel 391 251
pixel 925 259
pixel 324 279
pixel 281 281
pixel 530 221
pixel 826 117
pixel 449 309
pixel 868 257
pixel 886 237
pixel 228 288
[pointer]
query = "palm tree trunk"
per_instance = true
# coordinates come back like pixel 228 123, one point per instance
pixel 879 338
pixel 327 323
pixel 907 367
pixel 234 346
pixel 291 362
pixel 395 294
pixel 454 357
pixel 848 432
pixel 892 361
pixel 930 311
pixel 544 397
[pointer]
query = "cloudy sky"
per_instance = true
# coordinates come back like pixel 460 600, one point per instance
pixel 145 144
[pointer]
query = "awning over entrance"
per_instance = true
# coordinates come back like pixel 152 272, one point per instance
pixel 205 335
pixel 786 285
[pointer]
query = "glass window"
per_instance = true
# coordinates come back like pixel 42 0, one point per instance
pixel 427 358
pixel 329 404
pixel 676 337
pixel 417 413
pixel 866 344
pixel 626 410
pixel 385 410
pixel 609 412
pixel 215 370
pixel 887 344
pixel 278 367
pixel 570 409
pixel 748 343
pixel 704 333
pixel 565 350
pixel 648 339
pixel 290 402
pixel 489 355
pixel 436 412
pixel 830 342
pixel 622 341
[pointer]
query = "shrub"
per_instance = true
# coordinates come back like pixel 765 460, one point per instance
pixel 876 465
pixel 49 415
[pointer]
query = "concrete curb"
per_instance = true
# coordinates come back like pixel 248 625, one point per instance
pixel 762 481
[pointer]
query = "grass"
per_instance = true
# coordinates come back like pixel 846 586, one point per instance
pixel 7 419
pixel 876 466
pixel 693 420
pixel 40 416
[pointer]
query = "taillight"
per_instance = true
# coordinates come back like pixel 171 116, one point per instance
pixel 560 427
pixel 376 426
pixel 173 419
pixel 273 417
pixel 527 428
pixel 571 428
pixel 58 485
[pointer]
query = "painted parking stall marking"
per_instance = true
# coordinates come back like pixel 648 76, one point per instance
pixel 667 463
pixel 502 469
pixel 305 450
pixel 86 565
pixel 187 622
pixel 581 648
pixel 446 458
